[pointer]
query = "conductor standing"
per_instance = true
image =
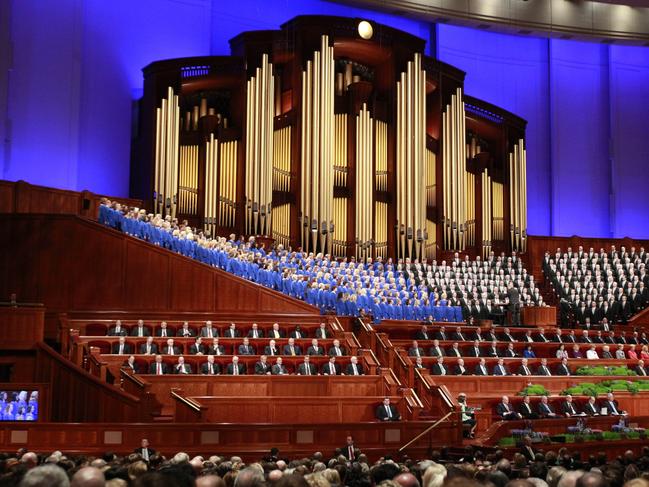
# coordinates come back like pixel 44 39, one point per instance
pixel 514 305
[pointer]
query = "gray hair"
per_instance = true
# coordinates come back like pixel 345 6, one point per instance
pixel 45 476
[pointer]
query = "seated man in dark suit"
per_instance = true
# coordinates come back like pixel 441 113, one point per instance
pixel 454 351
pixel 262 367
pixel 140 330
pixel 144 451
pixel 271 349
pixel 436 350
pixel 278 368
pixel 158 367
pixel 170 348
pixel 568 407
pixel 525 409
pixel 507 336
pixel 387 411
pixel 197 348
pixel 501 368
pixel 306 367
pixel 591 409
pixel 640 369
pixel 423 334
pixel 235 368
pixel 117 330
pixel 474 351
pixel 354 368
pixel 245 348
pixel 215 348
pixel 185 331
pixel 543 368
pixel 255 332
pixel 563 368
pixel 163 331
pixel 545 409
pixel 149 348
pixel 438 368
pixel 336 350
pixel 349 451
pixel 322 331
pixel 492 351
pixel 275 332
pixel 121 347
pixel 298 333
pixel 481 368
pixel 612 406
pixel 315 349
pixel 131 365
pixel 460 369
pixel 208 331
pixel 291 348
pixel 415 351
pixel 505 411
pixel 181 367
pixel 509 351
pixel 232 331
pixel 331 367
pixel 441 334
pixel 524 368
pixel 210 367
pixel 459 335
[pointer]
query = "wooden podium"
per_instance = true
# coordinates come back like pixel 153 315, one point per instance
pixel 539 316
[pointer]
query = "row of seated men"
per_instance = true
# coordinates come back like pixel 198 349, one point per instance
pixel 593 351
pixel 614 285
pixel 505 367
pixel 208 330
pixel 216 346
pixel 465 334
pixel 564 407
pixel 235 366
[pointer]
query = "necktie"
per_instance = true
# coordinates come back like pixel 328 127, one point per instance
pixel 572 410
pixel 442 369
pixel 338 351
pixel 272 351
pixel 121 348
pixel 164 332
pixel 502 370
pixel 170 351
pixel 210 367
pixel 354 369
pixel 292 351
pixel 506 407
pixel 159 367
pixel 461 370
pixel 308 369
pixel 145 454
pixel 209 333
pixel 483 370
pixel 387 408
pixel 235 369
pixel 477 352
pixel 351 452
pixel 527 371
pixel 332 371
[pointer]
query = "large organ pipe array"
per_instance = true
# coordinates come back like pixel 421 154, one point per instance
pixel 282 159
pixel 282 224
pixel 518 196
pixel 316 192
pixel 498 201
pixel 381 229
pixel 220 184
pixel 340 151
pixel 165 183
pixel 340 229
pixel 188 180
pixel 453 169
pixel 487 214
pixel 431 189
pixel 364 180
pixel 381 155
pixel 260 109
pixel 411 166
pixel 470 230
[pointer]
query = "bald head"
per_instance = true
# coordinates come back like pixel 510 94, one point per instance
pixel 406 480
pixel 88 477
pixel 210 481
pixel 274 476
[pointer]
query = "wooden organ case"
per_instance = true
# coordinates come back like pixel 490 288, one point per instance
pixel 333 135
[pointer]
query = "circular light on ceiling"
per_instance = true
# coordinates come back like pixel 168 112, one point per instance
pixel 365 29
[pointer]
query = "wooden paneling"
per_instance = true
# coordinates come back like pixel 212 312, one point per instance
pixel 21 327
pixel 22 197
pixel 78 396
pixel 283 409
pixel 251 441
pixel 68 263
pixel 539 316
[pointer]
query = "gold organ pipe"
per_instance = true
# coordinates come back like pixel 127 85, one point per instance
pixel 156 180
pixel 512 209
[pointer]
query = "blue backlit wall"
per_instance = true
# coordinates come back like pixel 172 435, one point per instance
pixel 77 71
pixel 586 133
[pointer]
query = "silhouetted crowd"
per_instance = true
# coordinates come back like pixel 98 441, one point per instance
pixel 464 468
